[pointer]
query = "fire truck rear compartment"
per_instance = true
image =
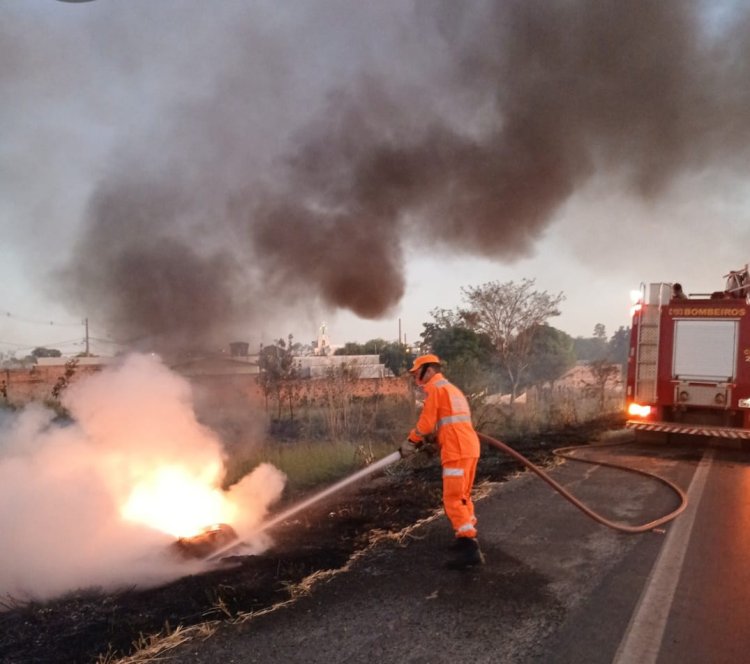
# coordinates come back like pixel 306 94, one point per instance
pixel 689 365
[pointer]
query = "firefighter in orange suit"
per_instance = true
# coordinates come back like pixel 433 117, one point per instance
pixel 446 415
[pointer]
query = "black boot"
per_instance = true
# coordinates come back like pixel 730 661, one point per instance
pixel 455 545
pixel 467 554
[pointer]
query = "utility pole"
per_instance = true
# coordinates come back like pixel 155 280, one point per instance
pixel 399 331
pixel 86 323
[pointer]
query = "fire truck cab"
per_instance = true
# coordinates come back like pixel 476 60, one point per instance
pixel 689 363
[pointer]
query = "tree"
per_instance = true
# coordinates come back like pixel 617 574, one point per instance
pixel 451 339
pixel 45 352
pixel 442 320
pixel 607 360
pixel 350 348
pixel 551 355
pixel 594 348
pixel 456 344
pixel 396 358
pixel 619 346
pixel 466 354
pixel 604 375
pixel 278 373
pixel 391 353
pixel 510 314
pixel 64 380
pixel 338 399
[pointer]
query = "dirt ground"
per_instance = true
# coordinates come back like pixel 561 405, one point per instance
pixel 90 626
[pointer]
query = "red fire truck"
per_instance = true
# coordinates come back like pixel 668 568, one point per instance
pixel 689 362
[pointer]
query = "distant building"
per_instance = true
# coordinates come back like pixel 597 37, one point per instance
pixel 217 365
pixel 366 366
pixel 239 348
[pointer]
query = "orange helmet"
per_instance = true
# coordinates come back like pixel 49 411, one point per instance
pixel 422 360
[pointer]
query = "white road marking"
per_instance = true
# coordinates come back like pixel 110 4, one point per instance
pixel 642 641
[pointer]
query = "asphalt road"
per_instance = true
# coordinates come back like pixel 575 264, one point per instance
pixel 557 587
pixel 710 617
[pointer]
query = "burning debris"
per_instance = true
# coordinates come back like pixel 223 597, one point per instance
pixel 203 545
pixel 112 491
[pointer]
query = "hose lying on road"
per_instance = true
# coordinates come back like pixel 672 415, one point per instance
pixel 564 452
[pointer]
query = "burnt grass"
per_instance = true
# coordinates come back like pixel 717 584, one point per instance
pixel 90 625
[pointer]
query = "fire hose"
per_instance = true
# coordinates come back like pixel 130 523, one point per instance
pixel 565 453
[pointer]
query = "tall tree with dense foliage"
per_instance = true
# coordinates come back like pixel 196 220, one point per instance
pixel 397 358
pixel 466 354
pixel 451 339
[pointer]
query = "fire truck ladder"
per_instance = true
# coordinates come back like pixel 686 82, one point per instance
pixel 647 354
pixel 738 282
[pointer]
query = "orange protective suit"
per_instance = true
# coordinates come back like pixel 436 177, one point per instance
pixel 446 413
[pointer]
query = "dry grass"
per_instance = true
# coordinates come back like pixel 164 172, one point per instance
pixel 156 648
pixel 153 648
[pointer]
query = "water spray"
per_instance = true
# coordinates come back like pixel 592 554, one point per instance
pixel 303 505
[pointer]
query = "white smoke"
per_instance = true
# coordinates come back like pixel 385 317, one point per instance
pixel 62 486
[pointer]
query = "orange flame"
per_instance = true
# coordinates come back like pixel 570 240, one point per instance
pixel 174 500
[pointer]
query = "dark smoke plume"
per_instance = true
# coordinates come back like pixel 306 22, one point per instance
pixel 154 286
pixel 521 102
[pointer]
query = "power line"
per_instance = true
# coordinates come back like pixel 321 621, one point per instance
pixel 79 341
pixel 12 343
pixel 108 341
pixel 30 321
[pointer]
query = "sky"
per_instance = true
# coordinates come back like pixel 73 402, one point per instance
pixel 186 172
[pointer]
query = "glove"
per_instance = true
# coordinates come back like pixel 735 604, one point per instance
pixel 408 448
pixel 430 448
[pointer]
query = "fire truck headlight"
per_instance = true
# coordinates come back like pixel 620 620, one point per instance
pixel 637 410
pixel 719 399
pixel 683 396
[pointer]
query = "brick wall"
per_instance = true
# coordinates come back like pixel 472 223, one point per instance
pixel 21 386
pixel 238 388
pixel 36 383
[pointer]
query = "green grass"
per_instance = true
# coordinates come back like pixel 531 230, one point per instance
pixel 308 465
pixel 314 460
